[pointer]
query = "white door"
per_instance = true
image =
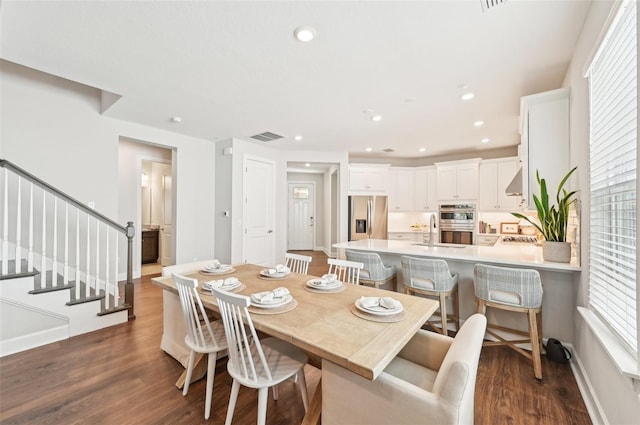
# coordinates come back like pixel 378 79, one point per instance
pixel 301 217
pixel 259 205
pixel 166 229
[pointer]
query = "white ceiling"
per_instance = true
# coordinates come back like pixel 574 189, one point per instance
pixel 234 68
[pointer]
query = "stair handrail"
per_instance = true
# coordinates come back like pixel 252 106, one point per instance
pixel 128 230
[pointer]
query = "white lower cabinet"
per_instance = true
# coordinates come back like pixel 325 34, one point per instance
pixel 405 236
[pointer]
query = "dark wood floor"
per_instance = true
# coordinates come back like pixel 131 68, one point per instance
pixel 119 375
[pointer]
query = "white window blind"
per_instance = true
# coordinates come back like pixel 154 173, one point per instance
pixel 613 145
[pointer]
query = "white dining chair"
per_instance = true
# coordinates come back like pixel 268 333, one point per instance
pixel 173 331
pixel 256 363
pixel 347 271
pixel 297 263
pixel 203 336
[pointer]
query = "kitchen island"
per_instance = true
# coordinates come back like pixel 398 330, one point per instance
pixel 560 280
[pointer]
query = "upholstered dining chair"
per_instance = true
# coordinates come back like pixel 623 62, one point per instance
pixel 374 272
pixel 347 271
pixel 431 381
pixel 256 363
pixel 203 336
pixel 512 289
pixel 432 277
pixel 297 263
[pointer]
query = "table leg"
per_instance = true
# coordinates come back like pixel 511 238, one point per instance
pixel 199 371
pixel 312 416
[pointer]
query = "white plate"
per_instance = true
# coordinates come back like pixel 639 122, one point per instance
pixel 265 273
pixel 317 284
pixel 378 311
pixel 279 302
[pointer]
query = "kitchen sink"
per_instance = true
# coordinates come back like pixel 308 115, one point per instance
pixel 441 245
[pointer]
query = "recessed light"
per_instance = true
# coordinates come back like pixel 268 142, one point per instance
pixel 478 123
pixel 485 140
pixel 376 118
pixel 298 138
pixel 368 149
pixel 422 149
pixel 307 165
pixel 467 96
pixel 304 34
pixel 176 119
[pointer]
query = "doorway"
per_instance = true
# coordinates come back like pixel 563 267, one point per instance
pixel 156 215
pixel 301 216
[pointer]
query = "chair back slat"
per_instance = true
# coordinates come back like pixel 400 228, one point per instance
pixel 246 355
pixel 199 330
pixel 297 263
pixel 347 271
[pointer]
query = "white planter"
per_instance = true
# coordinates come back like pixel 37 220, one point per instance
pixel 557 252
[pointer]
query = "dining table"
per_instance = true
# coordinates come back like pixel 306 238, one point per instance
pixel 327 324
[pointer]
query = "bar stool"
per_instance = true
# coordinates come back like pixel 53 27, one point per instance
pixel 518 290
pixel 374 271
pixel 432 278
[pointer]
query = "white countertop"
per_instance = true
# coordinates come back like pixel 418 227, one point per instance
pixel 500 254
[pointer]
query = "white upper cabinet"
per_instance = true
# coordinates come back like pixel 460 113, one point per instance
pixel 401 189
pixel 495 176
pixel 545 141
pixel 457 180
pixel 368 178
pixel 425 189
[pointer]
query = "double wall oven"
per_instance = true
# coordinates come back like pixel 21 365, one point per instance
pixel 457 223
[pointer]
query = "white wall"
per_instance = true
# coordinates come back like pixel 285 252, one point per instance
pixel 618 402
pixel 52 127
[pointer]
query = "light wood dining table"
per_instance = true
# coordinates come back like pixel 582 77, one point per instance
pixel 326 325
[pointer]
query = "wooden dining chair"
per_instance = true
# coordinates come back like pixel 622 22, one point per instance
pixel 256 363
pixel 203 336
pixel 297 263
pixel 347 271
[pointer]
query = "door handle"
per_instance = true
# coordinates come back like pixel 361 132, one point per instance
pixel 311 221
pixel 269 231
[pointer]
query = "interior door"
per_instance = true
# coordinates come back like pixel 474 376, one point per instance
pixel 301 216
pixel 166 229
pixel 258 241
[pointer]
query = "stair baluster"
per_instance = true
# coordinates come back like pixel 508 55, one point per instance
pixel 18 254
pixel 65 269
pixel 43 250
pixel 76 290
pixel 54 265
pixel 87 283
pixel 30 253
pixel 5 225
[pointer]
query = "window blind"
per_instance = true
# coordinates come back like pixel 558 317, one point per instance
pixel 613 161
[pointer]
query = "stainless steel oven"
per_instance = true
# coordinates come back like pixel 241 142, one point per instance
pixel 457 223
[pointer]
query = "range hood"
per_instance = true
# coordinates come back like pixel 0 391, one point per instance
pixel 515 186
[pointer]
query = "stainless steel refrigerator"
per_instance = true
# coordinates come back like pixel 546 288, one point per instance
pixel 367 217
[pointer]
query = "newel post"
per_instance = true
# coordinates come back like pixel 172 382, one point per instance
pixel 128 287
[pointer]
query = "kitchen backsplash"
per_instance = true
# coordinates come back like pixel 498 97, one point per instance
pixel 402 221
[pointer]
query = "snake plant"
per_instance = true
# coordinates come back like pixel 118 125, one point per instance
pixel 553 218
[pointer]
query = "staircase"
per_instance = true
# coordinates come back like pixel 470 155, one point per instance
pixel 63 265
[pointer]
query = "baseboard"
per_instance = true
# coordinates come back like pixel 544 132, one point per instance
pixel 589 397
pixel 33 340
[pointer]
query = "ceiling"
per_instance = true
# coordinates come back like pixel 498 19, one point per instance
pixel 234 69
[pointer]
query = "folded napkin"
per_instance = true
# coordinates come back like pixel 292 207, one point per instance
pixel 221 283
pixel 380 303
pixel 279 269
pixel 270 296
pixel 217 267
pixel 328 279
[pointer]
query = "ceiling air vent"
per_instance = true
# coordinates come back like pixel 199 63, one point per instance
pixel 488 4
pixel 267 136
pixel 388 150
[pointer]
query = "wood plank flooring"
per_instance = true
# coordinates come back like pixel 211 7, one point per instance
pixel 119 375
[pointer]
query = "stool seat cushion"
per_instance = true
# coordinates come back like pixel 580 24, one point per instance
pixel 505 297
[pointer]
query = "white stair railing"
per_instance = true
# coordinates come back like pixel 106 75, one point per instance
pixel 90 269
